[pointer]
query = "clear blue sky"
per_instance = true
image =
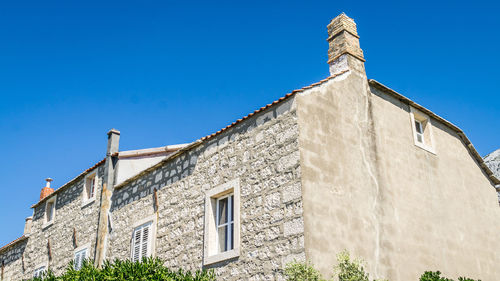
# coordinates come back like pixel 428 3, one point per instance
pixel 166 72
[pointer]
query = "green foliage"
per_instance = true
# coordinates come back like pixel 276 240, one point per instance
pixel 295 271
pixel 148 269
pixel 346 270
pixel 436 276
pixel 349 270
pixel 433 276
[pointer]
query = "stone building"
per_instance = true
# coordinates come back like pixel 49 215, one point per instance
pixel 345 163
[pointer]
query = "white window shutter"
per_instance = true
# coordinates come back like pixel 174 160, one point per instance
pixel 145 241
pixel 79 258
pixel 77 261
pixel 136 250
pixel 141 243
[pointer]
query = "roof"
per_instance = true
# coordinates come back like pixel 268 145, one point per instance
pixel 12 243
pixel 149 151
pixel 447 123
pixel 372 82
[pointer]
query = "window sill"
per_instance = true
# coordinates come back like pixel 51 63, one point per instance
pixel 88 202
pixel 47 224
pixel 425 147
pixel 221 256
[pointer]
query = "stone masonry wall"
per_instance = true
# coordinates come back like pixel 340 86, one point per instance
pixel 12 260
pixel 262 152
pixel 70 214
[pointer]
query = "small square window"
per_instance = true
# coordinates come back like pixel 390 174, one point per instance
pixel 222 223
pixel 422 130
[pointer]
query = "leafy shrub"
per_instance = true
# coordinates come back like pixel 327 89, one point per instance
pixel 148 269
pixel 349 270
pixel 295 271
pixel 436 276
pixel 433 276
pixel 345 270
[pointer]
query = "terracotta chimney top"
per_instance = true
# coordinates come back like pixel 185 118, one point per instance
pixel 47 190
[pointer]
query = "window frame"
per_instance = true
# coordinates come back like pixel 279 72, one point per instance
pixel 427 143
pixel 151 251
pixel 211 253
pixel 52 200
pixel 80 249
pixel 419 130
pixel 86 199
pixel 228 223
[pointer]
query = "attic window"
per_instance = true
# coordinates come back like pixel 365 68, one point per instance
pixel 422 130
pixel 89 188
pixel 50 210
pixel 419 131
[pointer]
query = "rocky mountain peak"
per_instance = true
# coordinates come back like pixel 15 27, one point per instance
pixel 492 160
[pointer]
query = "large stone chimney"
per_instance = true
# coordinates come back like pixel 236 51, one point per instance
pixel 344 51
pixel 47 190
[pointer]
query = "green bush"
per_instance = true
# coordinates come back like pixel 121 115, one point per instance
pixel 349 270
pixel 302 272
pixel 436 276
pixel 345 270
pixel 148 269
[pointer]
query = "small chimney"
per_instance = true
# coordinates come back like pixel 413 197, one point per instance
pixel 27 226
pixel 344 51
pixel 47 190
pixel 113 142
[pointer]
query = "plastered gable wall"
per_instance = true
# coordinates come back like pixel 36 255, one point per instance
pixel 368 189
pixel 12 259
pixel 69 215
pixel 444 207
pixel 262 153
pixel 339 180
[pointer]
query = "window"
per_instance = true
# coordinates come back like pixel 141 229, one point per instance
pixel 222 223
pixel 40 271
pixel 422 130
pixel 419 130
pixel 225 223
pixel 142 242
pixel 80 256
pixel 89 188
pixel 50 210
